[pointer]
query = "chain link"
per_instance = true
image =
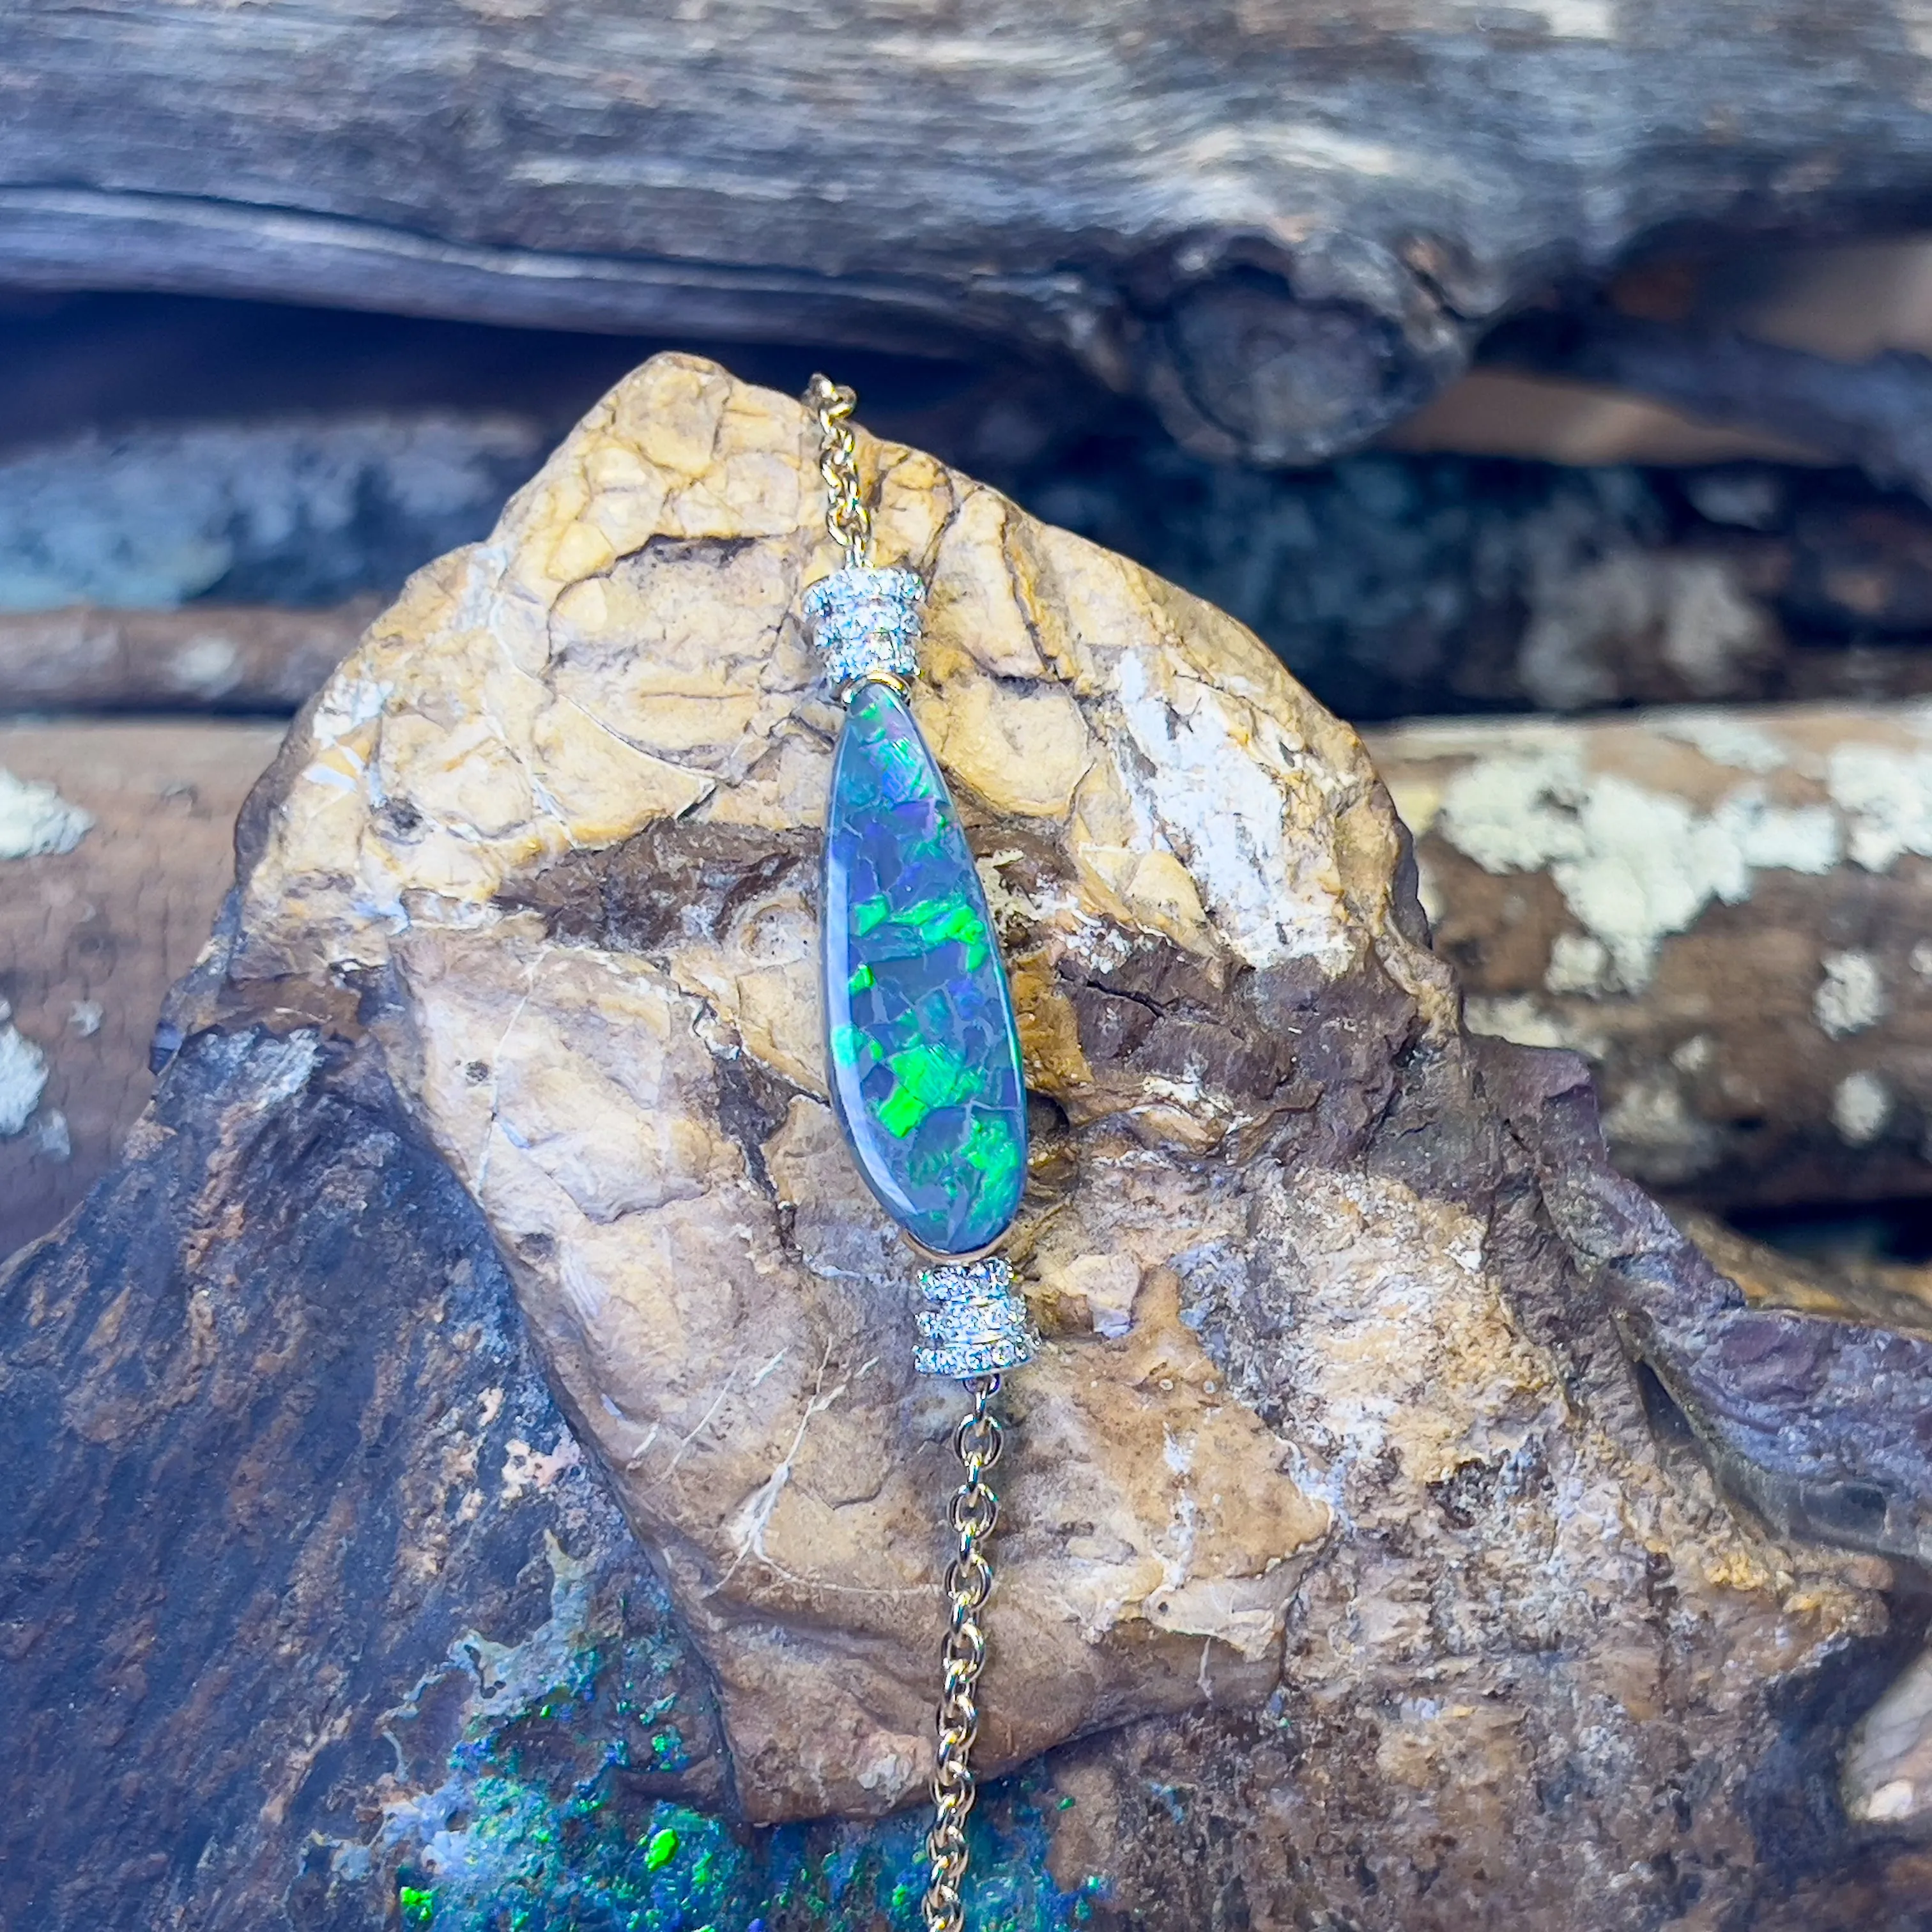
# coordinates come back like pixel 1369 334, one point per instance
pixel 846 515
pixel 974 1511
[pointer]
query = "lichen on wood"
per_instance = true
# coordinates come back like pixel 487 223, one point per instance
pixel 1723 911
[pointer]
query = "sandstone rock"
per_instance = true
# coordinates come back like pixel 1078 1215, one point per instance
pixel 1723 911
pixel 1344 1578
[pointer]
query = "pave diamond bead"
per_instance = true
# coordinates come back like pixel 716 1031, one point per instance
pixel 974 1323
pixel 865 623
pixel 924 1051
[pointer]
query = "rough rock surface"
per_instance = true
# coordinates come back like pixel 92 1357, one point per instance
pixel 1334 1486
pixel 1726 912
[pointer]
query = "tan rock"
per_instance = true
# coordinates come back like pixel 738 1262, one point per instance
pixel 1305 1421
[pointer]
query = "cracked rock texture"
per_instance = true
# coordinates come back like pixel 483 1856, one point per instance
pixel 1350 1574
pixel 1724 911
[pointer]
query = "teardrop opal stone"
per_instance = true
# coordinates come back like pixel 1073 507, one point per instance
pixel 923 1054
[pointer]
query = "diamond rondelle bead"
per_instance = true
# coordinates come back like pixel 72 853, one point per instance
pixel 974 1323
pixel 865 623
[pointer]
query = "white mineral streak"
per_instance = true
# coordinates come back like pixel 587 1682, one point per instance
pixel 35 821
pixel 1633 865
pixel 1851 997
pixel 632 1091
pixel 1215 787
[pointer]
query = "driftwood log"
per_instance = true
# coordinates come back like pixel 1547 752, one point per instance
pixel 116 844
pixel 248 658
pixel 1365 1557
pixel 1726 912
pixel 1391 584
pixel 1282 229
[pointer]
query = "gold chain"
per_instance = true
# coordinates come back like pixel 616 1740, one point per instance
pixel 978 1440
pixel 846 515
pixel 969 1579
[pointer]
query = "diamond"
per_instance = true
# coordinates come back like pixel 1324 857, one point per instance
pixel 974 1323
pixel 865 623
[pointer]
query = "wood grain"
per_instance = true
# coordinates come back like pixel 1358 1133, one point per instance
pixel 90 940
pixel 205 658
pixel 1280 224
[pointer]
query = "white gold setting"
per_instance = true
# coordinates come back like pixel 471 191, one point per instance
pixel 865 623
pixel 975 1322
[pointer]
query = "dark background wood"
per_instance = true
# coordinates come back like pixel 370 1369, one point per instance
pixel 1282 223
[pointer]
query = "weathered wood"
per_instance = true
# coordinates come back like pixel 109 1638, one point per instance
pixel 1391 585
pixel 208 658
pixel 1874 413
pixel 1281 224
pixel 1751 1117
pixel 1726 912
pixel 91 937
pixel 304 510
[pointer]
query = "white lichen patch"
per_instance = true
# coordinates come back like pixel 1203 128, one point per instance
pixel 1694 1055
pixel 1887 795
pixel 1519 1017
pixel 1579 19
pixel 35 821
pixel 1851 996
pixel 23 1076
pixel 1654 1134
pixel 1861 1108
pixel 1708 628
pixel 206 667
pixel 1578 963
pixel 1633 865
pixel 52 1136
pixel 1726 740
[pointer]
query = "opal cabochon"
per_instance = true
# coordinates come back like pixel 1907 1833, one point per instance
pixel 923 1050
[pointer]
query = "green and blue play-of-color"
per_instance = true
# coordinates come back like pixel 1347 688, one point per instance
pixel 923 1051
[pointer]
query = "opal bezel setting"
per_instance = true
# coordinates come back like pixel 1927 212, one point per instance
pixel 923 1060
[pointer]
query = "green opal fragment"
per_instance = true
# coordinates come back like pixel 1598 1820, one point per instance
pixel 923 1052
